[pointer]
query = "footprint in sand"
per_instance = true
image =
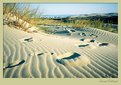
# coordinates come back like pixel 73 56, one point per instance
pixel 73 59
pixel 27 39
pixel 14 64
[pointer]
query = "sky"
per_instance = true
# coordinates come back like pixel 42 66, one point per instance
pixel 75 9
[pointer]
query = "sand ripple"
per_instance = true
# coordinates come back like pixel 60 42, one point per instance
pixel 50 56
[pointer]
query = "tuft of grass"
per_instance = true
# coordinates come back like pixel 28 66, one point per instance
pixel 23 14
pixel 45 29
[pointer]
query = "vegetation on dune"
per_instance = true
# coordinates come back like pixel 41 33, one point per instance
pixel 79 23
pixel 45 29
pixel 23 17
pixel 19 15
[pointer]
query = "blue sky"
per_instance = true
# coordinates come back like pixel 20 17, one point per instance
pixel 75 9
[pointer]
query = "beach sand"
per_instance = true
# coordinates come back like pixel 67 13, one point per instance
pixel 41 55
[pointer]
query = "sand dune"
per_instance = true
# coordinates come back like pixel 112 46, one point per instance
pixel 53 56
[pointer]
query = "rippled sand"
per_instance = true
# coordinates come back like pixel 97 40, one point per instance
pixel 52 56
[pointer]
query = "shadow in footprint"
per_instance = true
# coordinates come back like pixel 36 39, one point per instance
pixel 83 34
pixel 104 44
pixel 92 40
pixel 82 39
pixel 75 55
pixel 29 39
pixel 40 54
pixel 93 35
pixel 83 45
pixel 11 66
pixel 61 61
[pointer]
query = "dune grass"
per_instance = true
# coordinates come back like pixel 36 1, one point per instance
pixel 78 24
pixel 22 15
pixel 26 17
